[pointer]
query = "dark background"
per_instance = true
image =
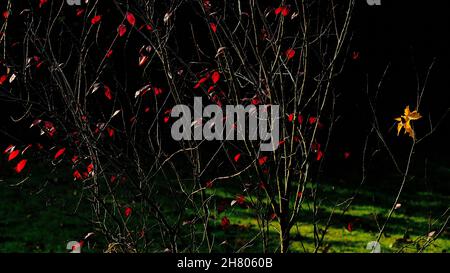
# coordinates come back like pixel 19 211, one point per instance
pixel 405 35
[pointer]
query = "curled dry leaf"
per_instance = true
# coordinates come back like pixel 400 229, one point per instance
pixel 9 149
pixel 115 113
pixel 167 17
pixel 12 78
pixel 404 121
pixel 220 51
pixel 142 91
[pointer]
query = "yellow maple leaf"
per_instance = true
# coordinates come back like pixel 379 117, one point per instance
pixel 404 121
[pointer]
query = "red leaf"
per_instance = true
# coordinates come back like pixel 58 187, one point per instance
pixel 158 91
pixel 74 159
pixel 290 53
pixel 108 94
pixel 355 55
pixel 240 199
pixel 319 155
pixel 5 14
pixel 256 100
pixel 109 53
pixel 262 160
pixel 213 27
pixel 209 184
pixel 59 153
pixel 166 119
pixel 202 80
pixel 262 185
pixel 90 168
pixel 273 216
pixel 236 157
pixel 346 155
pixel 9 149
pixel 113 179
pixel 121 29
pixel 131 19
pixel 49 128
pixel 215 77
pixel 283 10
pixel 77 175
pixel 312 120
pixel 291 117
pixel 128 211
pixel 42 2
pixel 13 155
pixel 350 227
pixel 80 12
pixel 96 19
pixel 300 119
pixel 225 222
pixel 3 78
pixel 111 131
pixel 20 165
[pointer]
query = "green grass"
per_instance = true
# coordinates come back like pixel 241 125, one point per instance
pixel 44 221
pixel 407 231
pixel 38 215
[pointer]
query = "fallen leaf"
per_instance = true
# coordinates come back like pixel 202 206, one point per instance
pixel 225 222
pixel 128 211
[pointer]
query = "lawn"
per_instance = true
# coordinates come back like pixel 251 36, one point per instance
pixel 45 220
